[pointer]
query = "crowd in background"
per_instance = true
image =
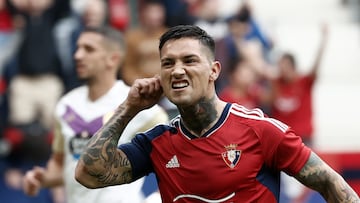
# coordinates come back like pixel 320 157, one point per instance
pixel 38 39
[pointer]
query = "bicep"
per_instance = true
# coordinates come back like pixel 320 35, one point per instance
pixel 315 173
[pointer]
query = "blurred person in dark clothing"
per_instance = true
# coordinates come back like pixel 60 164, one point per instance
pixel 99 53
pixel 94 13
pixel 245 40
pixel 178 12
pixel 35 85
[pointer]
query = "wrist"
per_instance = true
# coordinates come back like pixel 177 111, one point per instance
pixel 127 109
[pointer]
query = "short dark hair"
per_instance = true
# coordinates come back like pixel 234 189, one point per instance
pixel 243 16
pixel 113 36
pixel 290 57
pixel 189 31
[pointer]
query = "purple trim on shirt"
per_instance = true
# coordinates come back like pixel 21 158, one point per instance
pixel 78 124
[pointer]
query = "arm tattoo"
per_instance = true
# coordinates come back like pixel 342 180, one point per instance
pixel 317 175
pixel 101 156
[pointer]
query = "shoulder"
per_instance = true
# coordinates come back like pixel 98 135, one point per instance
pixel 118 92
pixel 73 97
pixel 152 134
pixel 120 85
pixel 74 93
pixel 257 119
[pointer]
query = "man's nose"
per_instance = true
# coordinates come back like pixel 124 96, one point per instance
pixel 178 70
pixel 78 54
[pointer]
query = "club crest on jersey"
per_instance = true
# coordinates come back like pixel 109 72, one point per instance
pixel 232 155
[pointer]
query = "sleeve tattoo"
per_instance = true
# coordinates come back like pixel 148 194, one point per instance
pixel 317 175
pixel 102 158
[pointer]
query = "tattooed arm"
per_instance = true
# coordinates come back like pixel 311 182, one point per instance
pixel 317 175
pixel 102 163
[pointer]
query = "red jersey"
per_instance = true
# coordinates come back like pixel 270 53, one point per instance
pixel 237 160
pixel 5 21
pixel 293 105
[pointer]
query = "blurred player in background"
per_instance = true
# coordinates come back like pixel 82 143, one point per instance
pixel 80 113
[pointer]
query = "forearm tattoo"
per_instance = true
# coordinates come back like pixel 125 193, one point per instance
pixel 319 176
pixel 101 156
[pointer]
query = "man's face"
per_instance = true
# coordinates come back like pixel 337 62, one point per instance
pixel 153 15
pixel 95 13
pixel 244 75
pixel 239 29
pixel 187 71
pixel 286 68
pixel 90 55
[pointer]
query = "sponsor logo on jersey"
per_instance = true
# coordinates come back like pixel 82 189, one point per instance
pixel 232 155
pixel 78 143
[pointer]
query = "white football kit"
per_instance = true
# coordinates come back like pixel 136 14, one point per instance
pixel 79 118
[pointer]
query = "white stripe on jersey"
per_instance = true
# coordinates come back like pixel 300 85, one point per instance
pixel 255 111
pixel 257 114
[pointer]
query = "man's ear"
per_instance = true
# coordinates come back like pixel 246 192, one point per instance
pixel 114 59
pixel 215 70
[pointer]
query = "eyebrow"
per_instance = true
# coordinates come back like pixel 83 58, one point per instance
pixel 185 56
pixel 190 56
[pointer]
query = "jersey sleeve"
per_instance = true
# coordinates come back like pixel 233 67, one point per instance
pixel 291 154
pixel 282 148
pixel 138 151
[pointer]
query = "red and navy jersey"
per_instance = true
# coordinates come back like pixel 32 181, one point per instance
pixel 237 160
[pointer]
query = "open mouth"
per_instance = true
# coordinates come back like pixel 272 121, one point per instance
pixel 179 85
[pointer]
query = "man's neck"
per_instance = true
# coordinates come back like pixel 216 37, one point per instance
pixel 98 89
pixel 199 118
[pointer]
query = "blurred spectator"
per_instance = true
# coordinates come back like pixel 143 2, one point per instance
pixel 82 111
pixel 38 83
pixel 142 57
pixel 9 40
pixel 6 30
pixel 255 31
pixel 92 13
pixel 240 41
pixel 244 87
pixel 207 13
pixel 292 92
pixel 5 20
pixel 119 14
pixel 292 104
pixel 178 12
pixel 35 84
pixel 8 36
